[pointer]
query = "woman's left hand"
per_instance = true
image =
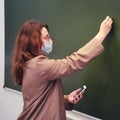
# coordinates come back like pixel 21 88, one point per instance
pixel 75 96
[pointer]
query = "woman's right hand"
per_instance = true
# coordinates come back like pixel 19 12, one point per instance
pixel 105 28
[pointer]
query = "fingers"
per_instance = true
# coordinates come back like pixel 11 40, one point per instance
pixel 76 98
pixel 108 20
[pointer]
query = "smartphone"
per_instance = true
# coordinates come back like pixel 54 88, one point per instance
pixel 82 89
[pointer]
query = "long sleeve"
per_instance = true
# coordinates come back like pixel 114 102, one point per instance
pixel 57 69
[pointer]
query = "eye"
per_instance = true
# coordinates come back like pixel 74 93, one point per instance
pixel 47 37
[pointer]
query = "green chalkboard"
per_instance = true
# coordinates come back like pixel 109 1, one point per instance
pixel 72 24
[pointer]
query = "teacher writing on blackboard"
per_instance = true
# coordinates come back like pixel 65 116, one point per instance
pixel 40 77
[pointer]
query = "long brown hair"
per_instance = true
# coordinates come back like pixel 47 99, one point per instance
pixel 27 45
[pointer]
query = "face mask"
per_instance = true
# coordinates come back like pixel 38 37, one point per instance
pixel 47 48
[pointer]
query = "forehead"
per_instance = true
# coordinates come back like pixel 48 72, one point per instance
pixel 44 32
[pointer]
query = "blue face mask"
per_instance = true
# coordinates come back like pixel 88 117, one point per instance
pixel 47 48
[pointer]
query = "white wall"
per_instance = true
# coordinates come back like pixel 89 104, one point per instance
pixel 10 101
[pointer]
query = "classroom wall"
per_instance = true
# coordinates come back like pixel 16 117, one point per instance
pixel 82 18
pixel 10 101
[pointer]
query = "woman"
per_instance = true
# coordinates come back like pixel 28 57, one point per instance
pixel 40 77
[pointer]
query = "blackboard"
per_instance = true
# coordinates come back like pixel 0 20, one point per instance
pixel 72 24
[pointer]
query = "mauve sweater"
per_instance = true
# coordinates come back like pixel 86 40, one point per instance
pixel 42 89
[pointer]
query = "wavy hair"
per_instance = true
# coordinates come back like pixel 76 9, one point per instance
pixel 27 45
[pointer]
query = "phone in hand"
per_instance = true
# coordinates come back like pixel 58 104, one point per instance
pixel 82 89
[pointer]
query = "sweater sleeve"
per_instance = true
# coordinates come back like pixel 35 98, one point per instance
pixel 57 69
